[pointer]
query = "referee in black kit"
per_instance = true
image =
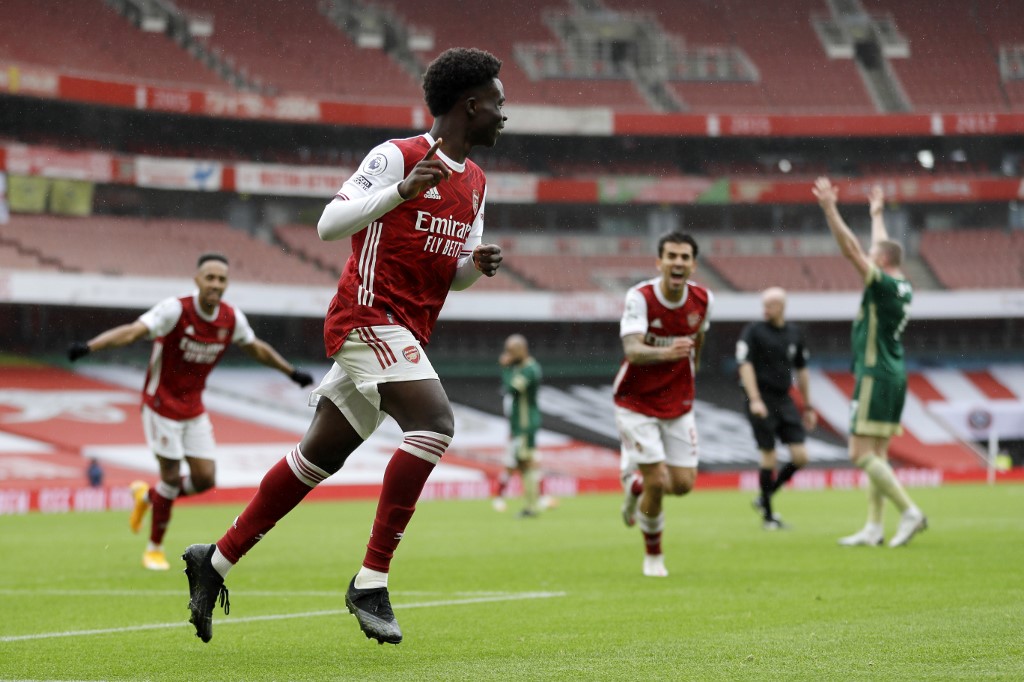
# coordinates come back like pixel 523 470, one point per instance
pixel 767 352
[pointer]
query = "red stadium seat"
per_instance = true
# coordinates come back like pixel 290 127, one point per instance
pixel 94 40
pixel 302 52
pixel 126 246
pixel 975 259
pixel 951 65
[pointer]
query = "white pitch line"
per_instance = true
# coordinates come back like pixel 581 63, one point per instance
pixel 248 593
pixel 283 616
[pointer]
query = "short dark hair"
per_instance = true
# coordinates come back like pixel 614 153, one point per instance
pixel 455 71
pixel 211 255
pixel 676 238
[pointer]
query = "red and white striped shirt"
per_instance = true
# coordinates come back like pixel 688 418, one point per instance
pixel 187 346
pixel 404 262
pixel 666 389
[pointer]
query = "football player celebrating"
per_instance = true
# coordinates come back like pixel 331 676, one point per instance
pixel 415 212
pixel 191 335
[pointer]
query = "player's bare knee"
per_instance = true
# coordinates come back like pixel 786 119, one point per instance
pixel 440 421
pixel 444 424
pixel 323 456
pixel 655 485
pixel 203 481
pixel 681 487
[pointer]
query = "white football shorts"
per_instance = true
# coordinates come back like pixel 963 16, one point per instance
pixel 177 439
pixel 372 356
pixel 649 440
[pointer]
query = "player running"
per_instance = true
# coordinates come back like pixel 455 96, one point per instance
pixel 415 212
pixel 190 336
pixel 662 332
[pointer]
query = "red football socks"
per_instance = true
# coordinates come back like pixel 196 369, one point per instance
pixel 162 497
pixel 283 487
pixel 404 478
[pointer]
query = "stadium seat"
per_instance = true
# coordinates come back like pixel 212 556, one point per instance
pixel 125 246
pixel 95 41
pixel 975 259
pixel 304 53
pixel 951 64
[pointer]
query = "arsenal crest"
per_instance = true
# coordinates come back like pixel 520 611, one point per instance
pixel 222 334
pixel 412 354
pixel 476 201
pixel 693 319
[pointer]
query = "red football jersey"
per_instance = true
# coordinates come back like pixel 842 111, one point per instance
pixel 664 390
pixel 183 358
pixel 403 264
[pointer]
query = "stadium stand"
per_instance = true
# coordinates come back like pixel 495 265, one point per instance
pixel 95 40
pixel 795 72
pixel 951 64
pixel 573 271
pixel 795 273
pixel 304 53
pixel 156 248
pixel 975 259
pixel 562 272
pixel 1003 23
pixel 490 28
pixel 13 258
pixel 702 24
pixel 304 241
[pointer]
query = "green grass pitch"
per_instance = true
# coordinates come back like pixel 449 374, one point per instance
pixel 488 596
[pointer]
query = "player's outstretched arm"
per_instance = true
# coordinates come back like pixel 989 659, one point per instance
pixel 112 338
pixel 828 197
pixel 265 354
pixel 876 201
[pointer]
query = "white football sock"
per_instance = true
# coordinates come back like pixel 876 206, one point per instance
pixel 220 563
pixel 367 579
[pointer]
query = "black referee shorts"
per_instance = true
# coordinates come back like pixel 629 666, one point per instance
pixel 783 422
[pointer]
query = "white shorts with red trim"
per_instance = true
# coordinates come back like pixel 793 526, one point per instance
pixel 371 356
pixel 649 440
pixel 177 439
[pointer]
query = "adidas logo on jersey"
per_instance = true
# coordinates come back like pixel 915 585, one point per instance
pixel 656 324
pixel 432 193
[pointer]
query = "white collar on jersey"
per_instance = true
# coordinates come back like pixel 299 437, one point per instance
pixel 664 301
pixel 199 308
pixel 454 165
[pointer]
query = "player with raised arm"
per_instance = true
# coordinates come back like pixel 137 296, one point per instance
pixel 881 376
pixel 190 336
pixel 662 331
pixel 415 212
